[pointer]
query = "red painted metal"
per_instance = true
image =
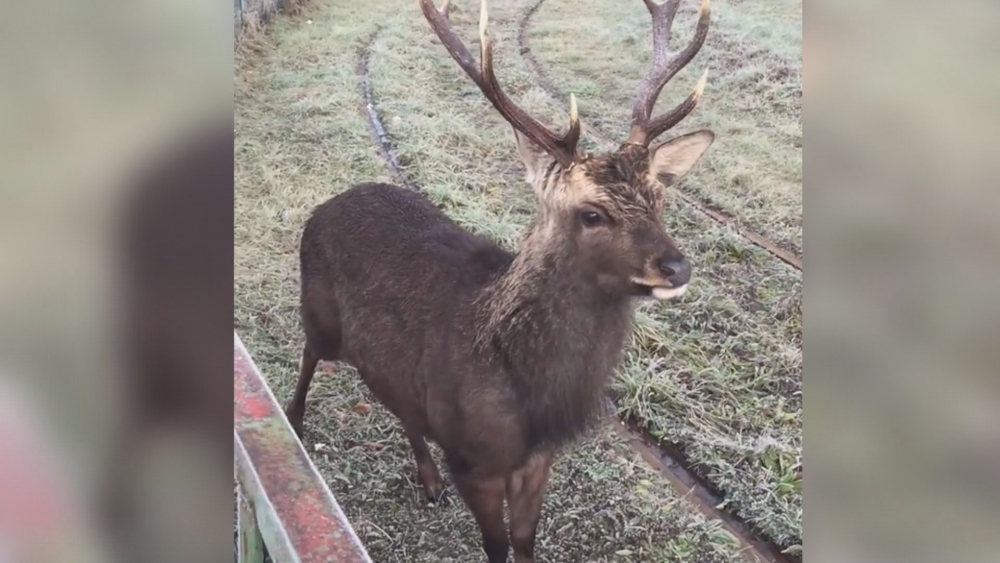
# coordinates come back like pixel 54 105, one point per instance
pixel 298 516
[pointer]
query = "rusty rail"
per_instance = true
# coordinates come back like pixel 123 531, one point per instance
pixel 284 504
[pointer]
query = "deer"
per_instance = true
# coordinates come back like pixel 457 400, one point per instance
pixel 502 358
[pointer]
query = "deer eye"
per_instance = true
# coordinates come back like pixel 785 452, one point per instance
pixel 591 218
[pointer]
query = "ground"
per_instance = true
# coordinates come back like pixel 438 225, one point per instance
pixel 717 373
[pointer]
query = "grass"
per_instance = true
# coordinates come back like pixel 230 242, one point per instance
pixel 718 373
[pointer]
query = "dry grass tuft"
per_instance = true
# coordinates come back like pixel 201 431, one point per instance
pixel 250 40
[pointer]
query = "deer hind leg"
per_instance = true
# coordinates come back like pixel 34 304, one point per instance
pixel 321 321
pixel 525 491
pixel 427 470
pixel 484 497
pixel 296 408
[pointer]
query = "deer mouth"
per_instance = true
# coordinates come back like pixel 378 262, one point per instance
pixel 659 292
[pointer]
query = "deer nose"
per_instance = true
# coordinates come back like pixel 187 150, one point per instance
pixel 676 269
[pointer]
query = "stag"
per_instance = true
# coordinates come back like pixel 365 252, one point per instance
pixel 502 358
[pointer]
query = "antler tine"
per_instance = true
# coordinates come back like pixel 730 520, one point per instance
pixel 657 126
pixel 663 18
pixel 439 22
pixel 662 69
pixel 561 148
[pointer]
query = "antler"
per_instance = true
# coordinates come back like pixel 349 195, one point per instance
pixel 662 69
pixel 562 148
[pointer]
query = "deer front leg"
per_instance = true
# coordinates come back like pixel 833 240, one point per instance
pixel 525 491
pixel 484 496
pixel 427 470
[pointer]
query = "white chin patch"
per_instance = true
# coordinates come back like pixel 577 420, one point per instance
pixel 663 293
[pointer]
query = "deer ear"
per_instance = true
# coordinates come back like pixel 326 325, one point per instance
pixel 672 160
pixel 536 161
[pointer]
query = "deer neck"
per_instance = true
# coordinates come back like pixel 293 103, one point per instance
pixel 557 336
pixel 547 286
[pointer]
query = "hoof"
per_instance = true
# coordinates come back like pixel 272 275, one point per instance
pixel 434 494
pixel 296 422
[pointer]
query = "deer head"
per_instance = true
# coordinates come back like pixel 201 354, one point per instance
pixel 607 208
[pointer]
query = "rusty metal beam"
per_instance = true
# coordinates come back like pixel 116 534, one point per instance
pixel 299 519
